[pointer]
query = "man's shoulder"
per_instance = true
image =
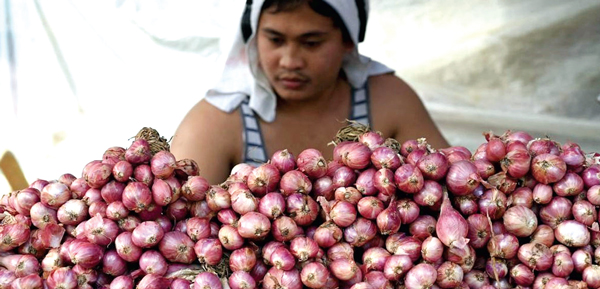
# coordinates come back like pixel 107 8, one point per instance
pixel 389 88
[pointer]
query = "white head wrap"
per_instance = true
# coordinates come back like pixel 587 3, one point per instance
pixel 242 77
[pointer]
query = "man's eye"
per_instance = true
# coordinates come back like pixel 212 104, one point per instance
pixel 276 40
pixel 312 43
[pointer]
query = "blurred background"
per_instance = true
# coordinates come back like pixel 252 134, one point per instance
pixel 77 77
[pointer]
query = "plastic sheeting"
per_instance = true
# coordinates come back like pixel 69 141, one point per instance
pixel 77 77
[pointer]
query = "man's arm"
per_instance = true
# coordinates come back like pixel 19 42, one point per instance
pixel 208 136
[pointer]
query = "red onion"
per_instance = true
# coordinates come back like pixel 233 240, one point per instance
pixel 195 188
pixel 243 202
pixel 27 282
pixel 410 145
pixel 434 166
pixel 101 231
pixel 522 275
pixel 51 261
pixel 21 265
pixel 143 173
pixel 371 139
pixel 485 168
pixel 572 233
pixel 536 256
pixel 467 205
pixel 581 259
pixel 343 213
pixel 97 174
pixel 152 262
pixel 449 275
pixel 414 157
pixel 123 282
pixel 230 238
pixel 113 154
pixel 283 160
pixel 162 194
pixel 147 234
pixel 280 279
pixel 302 208
pixel 113 264
pixel 422 227
pixel 516 163
pixel 370 207
pixel 72 212
pixel 78 188
pixel 314 275
pixel 304 248
pixel 282 258
pixel 432 249
pixel 137 196
pixel 63 278
pixel 323 187
pixel 389 220
pixel 122 171
pixel 378 280
pixel 408 178
pixel 383 180
pixel 116 211
pixel 85 254
pixel 542 193
pixel 254 226
pixel 295 182
pixel 375 258
pixel 139 152
pixel 156 281
pixel 496 269
pixel 548 168
pixel 476 279
pixel 420 276
pixel 384 157
pixel 92 195
pixel 263 179
pixel 591 175
pixel 354 155
pixel 540 146
pixel 272 205
pixel 96 208
pixel 349 194
pixel 209 251
pixel 364 182
pixel 520 221
pixel 522 196
pixel 343 269
pixel 451 227
pixel 558 210
pixel 543 234
pixel 284 228
pixel 360 232
pixel 493 203
pixel 177 247
pixel 430 194
pixel 327 234
pixel 408 209
pixel 463 257
pixel 241 280
pixel 584 212
pixel 218 198
pixel 38 184
pixel 202 209
pixel 163 164
pixel 312 163
pixel 462 178
pixel 503 246
pixel 55 194
pixel 343 177
pixel 562 265
pixel 25 199
pixel 591 276
pixel 128 223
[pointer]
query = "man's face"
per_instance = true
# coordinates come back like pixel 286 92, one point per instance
pixel 300 52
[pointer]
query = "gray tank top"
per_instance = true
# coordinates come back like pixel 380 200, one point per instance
pixel 255 153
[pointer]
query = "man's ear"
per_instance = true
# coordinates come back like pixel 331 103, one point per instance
pixel 348 46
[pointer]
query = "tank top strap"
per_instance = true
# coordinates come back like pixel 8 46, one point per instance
pixel 254 150
pixel 360 110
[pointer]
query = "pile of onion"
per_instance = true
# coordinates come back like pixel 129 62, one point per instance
pixel 517 212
